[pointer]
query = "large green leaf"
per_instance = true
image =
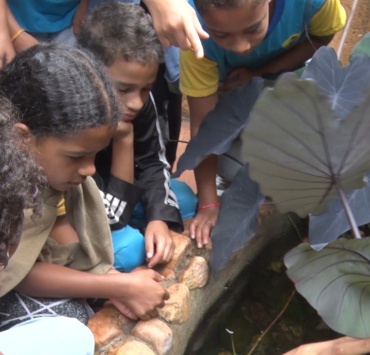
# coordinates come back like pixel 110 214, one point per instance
pixel 336 282
pixel 299 151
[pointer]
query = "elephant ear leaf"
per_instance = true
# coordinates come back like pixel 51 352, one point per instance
pixel 237 221
pixel 336 282
pixel 344 87
pixel 299 152
pixel 221 126
pixel 326 228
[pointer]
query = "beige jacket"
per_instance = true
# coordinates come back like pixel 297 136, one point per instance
pixel 86 213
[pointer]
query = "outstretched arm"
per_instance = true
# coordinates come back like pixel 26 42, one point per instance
pixel 343 346
pixel 140 291
pixel 176 23
pixel 205 175
pixel 289 60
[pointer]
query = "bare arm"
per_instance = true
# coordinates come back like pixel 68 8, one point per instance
pixel 140 291
pixel 23 41
pixel 7 51
pixel 343 346
pixel 176 23
pixel 123 152
pixel 205 174
pixel 289 60
pixel 295 56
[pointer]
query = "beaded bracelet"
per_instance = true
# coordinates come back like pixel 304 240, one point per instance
pixel 17 34
pixel 208 206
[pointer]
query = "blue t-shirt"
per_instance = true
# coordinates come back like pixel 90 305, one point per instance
pixel 290 20
pixel 44 16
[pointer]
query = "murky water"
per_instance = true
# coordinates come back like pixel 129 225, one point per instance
pixel 262 299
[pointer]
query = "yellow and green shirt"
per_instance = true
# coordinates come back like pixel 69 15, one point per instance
pixel 287 28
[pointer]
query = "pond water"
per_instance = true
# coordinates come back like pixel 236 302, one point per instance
pixel 255 307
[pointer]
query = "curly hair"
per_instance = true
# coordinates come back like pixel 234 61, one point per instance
pixel 59 91
pixel 115 30
pixel 20 182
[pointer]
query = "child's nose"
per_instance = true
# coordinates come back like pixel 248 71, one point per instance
pixel 88 169
pixel 241 45
pixel 135 103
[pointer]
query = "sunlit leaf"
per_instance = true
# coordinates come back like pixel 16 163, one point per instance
pixel 221 126
pixel 336 282
pixel 299 151
pixel 238 218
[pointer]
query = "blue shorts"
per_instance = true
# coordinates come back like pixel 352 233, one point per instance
pixel 129 243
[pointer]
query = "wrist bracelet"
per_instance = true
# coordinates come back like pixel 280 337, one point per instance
pixel 208 206
pixel 17 34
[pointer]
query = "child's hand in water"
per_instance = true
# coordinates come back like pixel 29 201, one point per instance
pixel 141 295
pixel 159 245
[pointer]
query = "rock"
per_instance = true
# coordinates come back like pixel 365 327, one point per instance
pixel 177 308
pixel 132 347
pixel 168 274
pixel 182 244
pixel 195 275
pixel 107 324
pixel 156 333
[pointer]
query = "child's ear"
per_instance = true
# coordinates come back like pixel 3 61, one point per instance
pixel 23 132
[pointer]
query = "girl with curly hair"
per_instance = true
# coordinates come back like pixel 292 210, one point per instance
pixel 68 112
pixel 20 182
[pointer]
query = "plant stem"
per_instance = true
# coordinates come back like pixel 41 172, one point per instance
pixel 256 343
pixel 347 210
pixel 296 229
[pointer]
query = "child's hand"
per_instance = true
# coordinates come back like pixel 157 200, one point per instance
pixel 177 24
pixel 238 76
pixel 202 224
pixel 124 130
pixel 143 295
pixel 343 346
pixel 159 245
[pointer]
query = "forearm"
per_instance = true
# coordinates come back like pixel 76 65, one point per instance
pixel 25 40
pixel 51 280
pixel 123 160
pixel 205 173
pixel 4 18
pixel 205 176
pixel 294 57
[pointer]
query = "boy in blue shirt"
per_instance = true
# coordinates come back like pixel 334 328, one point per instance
pixel 247 38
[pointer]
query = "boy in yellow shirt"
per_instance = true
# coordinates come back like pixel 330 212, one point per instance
pixel 247 38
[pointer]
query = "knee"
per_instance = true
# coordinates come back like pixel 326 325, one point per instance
pixel 188 201
pixel 129 249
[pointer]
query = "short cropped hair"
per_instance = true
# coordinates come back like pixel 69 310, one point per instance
pixel 59 91
pixel 204 5
pixel 20 181
pixel 115 30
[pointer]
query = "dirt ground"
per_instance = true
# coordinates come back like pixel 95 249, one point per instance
pixel 359 26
